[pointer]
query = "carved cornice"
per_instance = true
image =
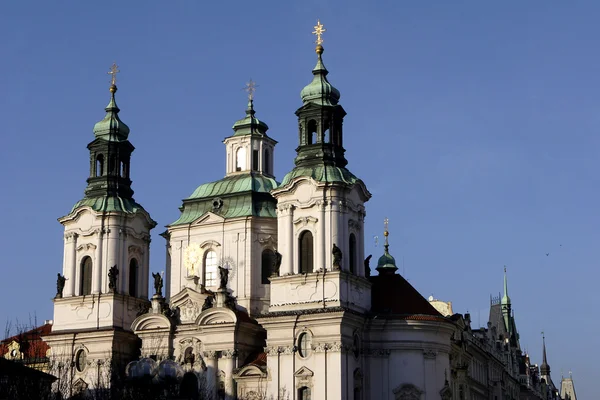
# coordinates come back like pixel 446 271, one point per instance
pixel 71 236
pixel 305 220
pixel 429 354
pixel 86 247
pixel 136 250
pixel 285 209
pixel 272 350
pixel 229 353
pixel 334 347
pixel 211 355
pixel 377 352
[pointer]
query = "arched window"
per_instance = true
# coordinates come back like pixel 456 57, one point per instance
pixel 240 159
pixel 85 281
pixel 352 252
pixel 311 132
pixel 304 393
pixel 255 160
pixel 99 165
pixel 122 169
pixel 306 252
pixel 267 266
pixel 267 169
pixel 210 269
pixel 133 275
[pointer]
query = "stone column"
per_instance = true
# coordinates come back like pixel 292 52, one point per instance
pixel 286 238
pixel 321 235
pixel 112 258
pixel 229 357
pixel 335 230
pixel 212 368
pixel 145 270
pixel 360 246
pixel 343 237
pixel 97 284
pixel 70 268
pixel 124 270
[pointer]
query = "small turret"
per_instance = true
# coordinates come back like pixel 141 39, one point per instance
pixel 386 265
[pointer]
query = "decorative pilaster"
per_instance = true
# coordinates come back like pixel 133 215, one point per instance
pixel 335 230
pixel 124 269
pixel 321 235
pixel 229 359
pixel 70 271
pixel 97 283
pixel 112 257
pixel 286 230
pixel 212 367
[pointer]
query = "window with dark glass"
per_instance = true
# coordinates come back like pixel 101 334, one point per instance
pixel 267 265
pixel 85 286
pixel 133 275
pixel 306 252
pixel 99 165
pixel 352 251
pixel 304 393
pixel 255 160
pixel 267 162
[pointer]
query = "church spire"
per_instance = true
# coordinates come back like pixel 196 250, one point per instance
pixel 320 117
pixel 544 368
pixel 505 298
pixel 110 152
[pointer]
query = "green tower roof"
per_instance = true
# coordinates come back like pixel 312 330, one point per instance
pixel 111 128
pixel 320 91
pixel 386 263
pixel 250 125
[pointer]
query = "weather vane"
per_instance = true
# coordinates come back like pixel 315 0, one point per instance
pixel 114 70
pixel 319 29
pixel 251 88
pixel 386 232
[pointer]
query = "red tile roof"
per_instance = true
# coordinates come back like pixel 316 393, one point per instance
pixel 30 342
pixel 392 295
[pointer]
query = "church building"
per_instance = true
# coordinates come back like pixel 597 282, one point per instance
pixel 267 291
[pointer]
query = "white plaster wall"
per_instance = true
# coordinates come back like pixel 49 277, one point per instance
pixel 238 243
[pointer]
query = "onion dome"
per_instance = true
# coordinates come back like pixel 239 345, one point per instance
pixel 250 125
pixel 320 91
pixel 386 263
pixel 111 128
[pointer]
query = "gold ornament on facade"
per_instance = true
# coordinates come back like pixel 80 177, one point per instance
pixel 192 258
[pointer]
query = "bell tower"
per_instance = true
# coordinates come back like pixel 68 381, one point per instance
pixel 320 292
pixel 104 281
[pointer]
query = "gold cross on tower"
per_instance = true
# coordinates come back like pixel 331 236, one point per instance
pixel 319 29
pixel 114 69
pixel 251 88
pixel 385 230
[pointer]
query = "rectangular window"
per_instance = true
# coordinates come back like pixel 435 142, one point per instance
pixel 255 160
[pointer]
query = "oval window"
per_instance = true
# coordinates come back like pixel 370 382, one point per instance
pixel 80 360
pixel 304 345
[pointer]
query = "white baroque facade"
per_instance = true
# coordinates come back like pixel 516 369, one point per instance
pixel 267 290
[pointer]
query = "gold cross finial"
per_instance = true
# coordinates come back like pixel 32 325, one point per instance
pixel 319 29
pixel 114 69
pixel 250 88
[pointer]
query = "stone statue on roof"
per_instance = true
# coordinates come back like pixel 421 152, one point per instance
pixel 158 283
pixel 367 267
pixel 224 277
pixel 337 257
pixel 113 273
pixel 60 285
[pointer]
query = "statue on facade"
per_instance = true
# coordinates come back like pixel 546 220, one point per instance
pixel 367 267
pixel 113 273
pixel 224 276
pixel 158 283
pixel 60 285
pixel 276 264
pixel 208 303
pixel 337 257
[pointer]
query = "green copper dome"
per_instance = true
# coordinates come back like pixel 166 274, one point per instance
pixel 320 91
pixel 111 128
pixel 386 261
pixel 250 125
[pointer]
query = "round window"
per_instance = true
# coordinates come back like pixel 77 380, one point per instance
pixel 304 344
pixel 14 352
pixel 80 360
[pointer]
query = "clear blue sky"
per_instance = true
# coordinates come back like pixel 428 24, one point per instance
pixel 475 126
